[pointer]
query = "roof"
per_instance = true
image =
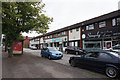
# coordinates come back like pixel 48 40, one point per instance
pixel 84 23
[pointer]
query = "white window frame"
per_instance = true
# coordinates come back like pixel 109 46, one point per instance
pixel 113 22
pixel 90 27
pixel 102 24
pixel 118 21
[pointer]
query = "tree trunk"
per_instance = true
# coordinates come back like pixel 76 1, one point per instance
pixel 6 45
pixel 10 52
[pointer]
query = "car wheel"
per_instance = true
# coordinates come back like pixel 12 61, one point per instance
pixel 73 63
pixel 76 53
pixel 111 72
pixel 66 52
pixel 49 57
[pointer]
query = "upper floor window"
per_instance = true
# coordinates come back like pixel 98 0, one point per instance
pixel 118 21
pixel 71 31
pixel 113 22
pixel 58 34
pixel 77 29
pixel 64 33
pixel 102 24
pixel 90 27
pixel 50 36
pixel 45 37
pixel 54 35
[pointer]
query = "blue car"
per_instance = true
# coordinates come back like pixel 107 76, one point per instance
pixel 51 53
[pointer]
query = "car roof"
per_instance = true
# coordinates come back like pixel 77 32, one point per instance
pixel 98 50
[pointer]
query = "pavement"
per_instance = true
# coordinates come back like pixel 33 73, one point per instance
pixel 32 65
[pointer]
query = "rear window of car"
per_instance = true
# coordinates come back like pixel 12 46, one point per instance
pixel 115 53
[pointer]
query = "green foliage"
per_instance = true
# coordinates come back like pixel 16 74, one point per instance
pixel 18 17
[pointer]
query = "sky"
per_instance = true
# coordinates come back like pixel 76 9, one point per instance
pixel 69 12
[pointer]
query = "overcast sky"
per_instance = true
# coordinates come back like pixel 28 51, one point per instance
pixel 68 12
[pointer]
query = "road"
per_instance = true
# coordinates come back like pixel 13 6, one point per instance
pixel 32 65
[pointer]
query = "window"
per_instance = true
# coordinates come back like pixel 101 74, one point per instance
pixel 70 43
pixel 104 56
pixel 54 35
pixel 65 44
pixel 64 33
pixel 58 34
pixel 71 30
pixel 50 36
pixel 113 22
pixel 45 37
pixel 118 21
pixel 82 29
pixel 77 29
pixel 90 27
pixel 102 24
pixel 92 55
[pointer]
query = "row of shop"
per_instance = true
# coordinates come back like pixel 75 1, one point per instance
pixel 98 33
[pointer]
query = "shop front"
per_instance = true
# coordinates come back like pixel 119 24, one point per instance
pixel 101 39
pixel 60 43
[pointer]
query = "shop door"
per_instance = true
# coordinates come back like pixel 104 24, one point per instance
pixel 108 44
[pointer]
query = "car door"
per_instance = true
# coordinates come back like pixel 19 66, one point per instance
pixel 72 50
pixel 103 59
pixel 90 60
pixel 47 52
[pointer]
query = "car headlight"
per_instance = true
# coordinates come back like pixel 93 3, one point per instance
pixel 53 53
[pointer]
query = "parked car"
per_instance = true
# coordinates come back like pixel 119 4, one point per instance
pixel 51 53
pixel 116 48
pixel 33 47
pixel 105 61
pixel 74 50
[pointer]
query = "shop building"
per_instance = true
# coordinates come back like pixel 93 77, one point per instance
pixel 97 33
pixel 102 32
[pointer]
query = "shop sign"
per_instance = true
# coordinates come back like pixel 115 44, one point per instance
pixel 61 39
pixel 102 34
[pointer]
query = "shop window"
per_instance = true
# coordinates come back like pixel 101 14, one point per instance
pixel 45 37
pixel 118 21
pixel 50 36
pixel 51 45
pixel 102 24
pixel 90 27
pixel 70 43
pixel 64 33
pixel 113 22
pixel 58 34
pixel 77 29
pixel 54 35
pixel 57 44
pixel 93 45
pixel 65 44
pixel 71 31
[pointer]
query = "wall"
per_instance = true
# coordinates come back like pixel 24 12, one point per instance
pixel 75 35
pixel 119 5
pixel 41 40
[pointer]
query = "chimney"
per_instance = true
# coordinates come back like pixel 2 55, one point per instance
pixel 119 5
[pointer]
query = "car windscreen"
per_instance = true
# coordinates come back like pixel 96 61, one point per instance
pixel 115 53
pixel 52 49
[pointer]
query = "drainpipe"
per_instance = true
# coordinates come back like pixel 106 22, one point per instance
pixel 81 43
pixel 68 38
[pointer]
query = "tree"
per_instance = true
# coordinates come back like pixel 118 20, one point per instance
pixel 18 17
